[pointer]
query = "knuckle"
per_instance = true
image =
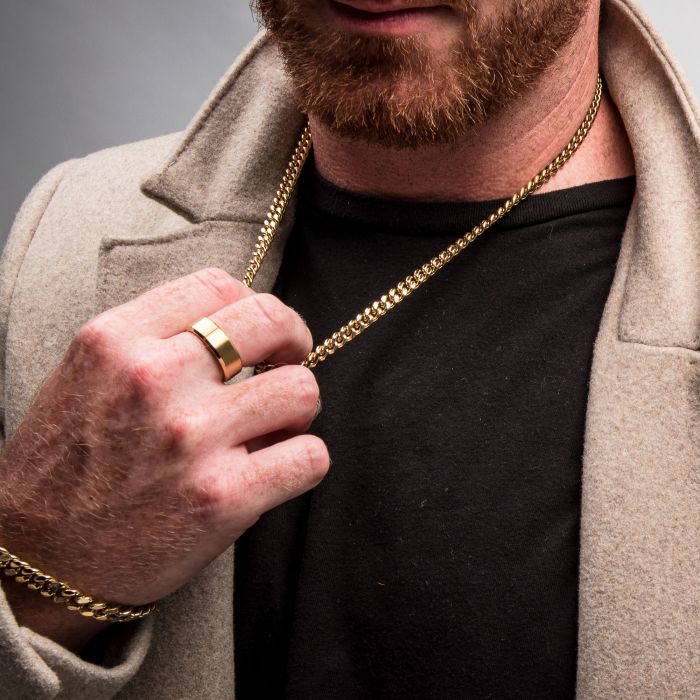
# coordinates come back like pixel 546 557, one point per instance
pixel 308 338
pixel 277 315
pixel 208 497
pixel 315 456
pixel 141 373
pixel 94 338
pixel 307 391
pixel 217 281
pixel 91 352
pixel 177 430
pixel 299 384
pixel 180 434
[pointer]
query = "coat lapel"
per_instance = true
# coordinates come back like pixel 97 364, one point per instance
pixel 233 155
pixel 639 608
pixel 639 602
pixel 128 267
pixel 220 179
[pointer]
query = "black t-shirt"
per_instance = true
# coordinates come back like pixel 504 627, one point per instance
pixel 439 557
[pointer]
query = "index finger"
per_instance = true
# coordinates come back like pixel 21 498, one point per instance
pixel 175 305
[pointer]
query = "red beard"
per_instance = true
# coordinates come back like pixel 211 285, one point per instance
pixel 396 90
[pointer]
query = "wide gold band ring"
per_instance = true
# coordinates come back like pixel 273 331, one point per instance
pixel 219 345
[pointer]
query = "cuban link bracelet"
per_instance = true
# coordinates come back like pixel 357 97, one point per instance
pixel 63 594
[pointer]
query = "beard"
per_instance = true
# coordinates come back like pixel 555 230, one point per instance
pixel 399 92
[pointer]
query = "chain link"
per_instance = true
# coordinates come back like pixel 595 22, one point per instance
pixel 62 594
pixel 417 278
pixel 279 205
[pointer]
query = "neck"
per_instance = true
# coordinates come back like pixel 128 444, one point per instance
pixel 499 157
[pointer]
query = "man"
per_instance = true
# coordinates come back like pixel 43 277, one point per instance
pixel 440 554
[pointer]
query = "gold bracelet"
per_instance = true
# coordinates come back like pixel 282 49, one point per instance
pixel 63 594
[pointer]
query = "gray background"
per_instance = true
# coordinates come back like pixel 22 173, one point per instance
pixel 79 75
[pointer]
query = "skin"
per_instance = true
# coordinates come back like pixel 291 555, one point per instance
pixel 151 479
pixel 496 159
pixel 127 413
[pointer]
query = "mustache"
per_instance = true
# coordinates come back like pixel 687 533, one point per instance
pixel 352 56
pixel 463 5
pixel 265 9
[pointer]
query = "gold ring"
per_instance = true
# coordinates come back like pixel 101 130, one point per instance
pixel 219 345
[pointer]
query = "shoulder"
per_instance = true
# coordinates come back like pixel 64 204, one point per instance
pixel 105 187
pixel 58 230
pixel 109 185
pixel 99 193
pixel 128 161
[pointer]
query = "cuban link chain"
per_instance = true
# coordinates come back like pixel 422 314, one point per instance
pixel 418 277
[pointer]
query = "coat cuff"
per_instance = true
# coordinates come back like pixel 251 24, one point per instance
pixel 33 666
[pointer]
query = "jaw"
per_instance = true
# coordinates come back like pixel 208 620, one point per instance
pixel 406 73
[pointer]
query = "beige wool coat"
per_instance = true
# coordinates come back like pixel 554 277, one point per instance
pixel 97 231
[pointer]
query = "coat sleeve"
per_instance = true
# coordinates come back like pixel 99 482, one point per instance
pixel 32 666
pixel 26 223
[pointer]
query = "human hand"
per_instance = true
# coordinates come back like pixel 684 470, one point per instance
pixel 136 466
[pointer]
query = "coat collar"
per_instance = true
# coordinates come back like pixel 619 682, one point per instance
pixel 229 163
pixel 232 157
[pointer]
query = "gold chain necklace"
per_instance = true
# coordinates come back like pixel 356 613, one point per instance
pixel 407 286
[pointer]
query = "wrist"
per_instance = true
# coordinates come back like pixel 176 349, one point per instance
pixel 65 595
pixel 73 632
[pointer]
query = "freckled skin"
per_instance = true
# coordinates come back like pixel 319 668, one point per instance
pixel 128 475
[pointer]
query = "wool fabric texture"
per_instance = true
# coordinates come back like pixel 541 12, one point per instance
pixel 100 230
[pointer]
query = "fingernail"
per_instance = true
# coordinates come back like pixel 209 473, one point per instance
pixel 318 408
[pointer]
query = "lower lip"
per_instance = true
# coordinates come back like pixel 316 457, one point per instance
pixel 398 23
